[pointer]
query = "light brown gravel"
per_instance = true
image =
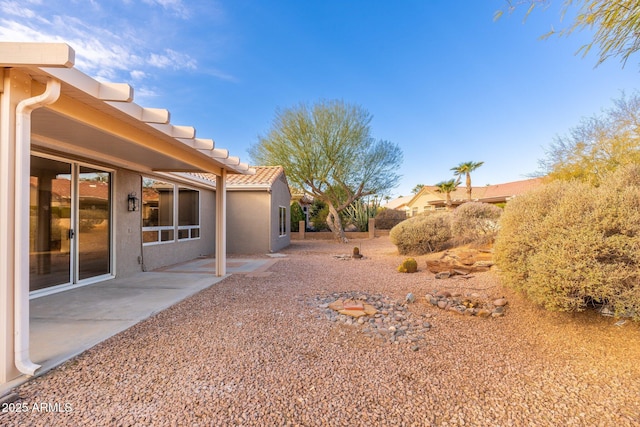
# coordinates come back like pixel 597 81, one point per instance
pixel 256 351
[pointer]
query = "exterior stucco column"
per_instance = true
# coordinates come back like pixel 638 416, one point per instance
pixel 221 223
pixel 15 87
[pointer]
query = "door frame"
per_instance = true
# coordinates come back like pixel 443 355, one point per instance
pixel 74 246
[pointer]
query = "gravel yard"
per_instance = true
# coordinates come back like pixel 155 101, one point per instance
pixel 261 350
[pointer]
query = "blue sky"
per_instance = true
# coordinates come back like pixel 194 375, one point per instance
pixel 442 79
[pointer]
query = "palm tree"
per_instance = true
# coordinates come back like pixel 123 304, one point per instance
pixel 447 187
pixel 466 169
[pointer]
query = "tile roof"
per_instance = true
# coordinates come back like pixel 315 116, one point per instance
pixel 265 176
pixel 486 193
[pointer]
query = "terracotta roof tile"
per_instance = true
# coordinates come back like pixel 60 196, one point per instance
pixel 264 176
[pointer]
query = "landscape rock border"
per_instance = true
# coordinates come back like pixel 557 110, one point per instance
pixel 471 304
pixel 379 317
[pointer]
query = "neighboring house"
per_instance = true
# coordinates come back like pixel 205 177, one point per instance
pixel 400 204
pixel 258 211
pixel 305 202
pixel 429 199
pixel 93 186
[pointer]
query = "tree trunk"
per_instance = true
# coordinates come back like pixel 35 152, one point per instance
pixel 335 225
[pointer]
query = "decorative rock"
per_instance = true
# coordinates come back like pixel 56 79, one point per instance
pixel 483 312
pixel 392 323
pixel 500 302
pixel 443 275
pixel 443 294
pixel 410 298
pixel 442 304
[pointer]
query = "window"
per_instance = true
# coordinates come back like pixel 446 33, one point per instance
pixel 283 221
pixel 160 209
pixel 157 211
pixel 188 213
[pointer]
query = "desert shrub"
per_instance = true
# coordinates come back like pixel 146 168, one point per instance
pixel 409 265
pixel 389 218
pixel 569 244
pixel 297 215
pixel 475 222
pixel 422 234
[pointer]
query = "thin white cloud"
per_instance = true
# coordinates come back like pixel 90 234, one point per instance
pixel 14 8
pixel 138 75
pixel 172 59
pixel 110 44
pixel 176 6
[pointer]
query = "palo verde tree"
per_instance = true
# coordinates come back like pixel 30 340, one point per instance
pixel 598 145
pixel 327 150
pixel 615 24
pixel 465 169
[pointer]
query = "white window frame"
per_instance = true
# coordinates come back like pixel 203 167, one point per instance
pixel 282 221
pixel 175 228
pixel 191 227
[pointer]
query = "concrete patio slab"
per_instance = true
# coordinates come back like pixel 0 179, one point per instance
pixel 65 324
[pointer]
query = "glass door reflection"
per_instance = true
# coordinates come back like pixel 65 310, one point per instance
pixel 93 227
pixel 50 243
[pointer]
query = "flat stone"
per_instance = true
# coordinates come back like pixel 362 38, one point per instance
pixel 500 302
pixel 369 309
pixel 483 312
pixel 442 304
pixel 337 305
pixel 443 294
pixel 353 313
pixel 352 305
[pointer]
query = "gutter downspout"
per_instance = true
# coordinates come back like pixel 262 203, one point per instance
pixel 22 186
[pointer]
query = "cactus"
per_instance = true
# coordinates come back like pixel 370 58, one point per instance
pixel 409 265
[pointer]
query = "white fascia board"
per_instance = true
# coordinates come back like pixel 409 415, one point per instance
pixel 147 115
pixel 103 91
pixel 187 178
pixel 198 143
pixel 18 54
pixel 186 132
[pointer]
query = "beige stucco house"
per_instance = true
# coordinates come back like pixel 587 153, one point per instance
pixel 258 211
pixel 93 187
pixel 429 199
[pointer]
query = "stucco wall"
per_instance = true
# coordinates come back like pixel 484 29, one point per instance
pixel 248 222
pixel 127 225
pixel 280 196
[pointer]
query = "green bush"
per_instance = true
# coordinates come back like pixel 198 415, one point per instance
pixel 568 244
pixel 318 218
pixel 475 222
pixel 297 215
pixel 422 234
pixel 389 218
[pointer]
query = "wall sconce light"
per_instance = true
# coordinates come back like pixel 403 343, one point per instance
pixel 133 202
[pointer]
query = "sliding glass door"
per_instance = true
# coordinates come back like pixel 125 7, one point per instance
pixel 70 223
